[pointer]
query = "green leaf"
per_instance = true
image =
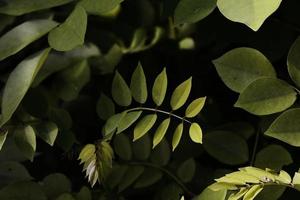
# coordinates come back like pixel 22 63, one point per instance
pixel 20 7
pixel 252 13
pixel 195 107
pixel 142 148
pixel 116 175
pixel 244 129
pixel 253 192
pixel 26 141
pixel 122 146
pixel 266 96
pixel 160 132
pixel 105 107
pixel 177 136
pixel 195 133
pixel 70 81
pixel 138 85
pixel 186 170
pixel 226 147
pixel 143 126
pixel 112 123
pixel 22 190
pixel 22 35
pixel 160 88
pixel 11 172
pixel 238 195
pixel 181 94
pixel 120 91
pixel 286 127
pixel 273 157
pixel 271 192
pixel 61 118
pixel 55 185
pixel 19 82
pixel 71 33
pixel 128 120
pixel 241 66
pixel 296 181
pixel 47 131
pixel 5 20
pixel 3 135
pixel 101 7
pixel 293 62
pixel 161 154
pixel 148 178
pixel 208 194
pixel 84 194
pixel 190 11
pixel 65 196
pixel 130 177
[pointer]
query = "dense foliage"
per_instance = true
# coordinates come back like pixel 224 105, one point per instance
pixel 149 99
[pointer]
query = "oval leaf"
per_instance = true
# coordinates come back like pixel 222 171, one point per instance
pixel 143 126
pixel 26 141
pixel 160 88
pixel 160 132
pixel 142 148
pixel 266 96
pixel 241 66
pixel 120 91
pixel 286 127
pixel 128 120
pixel 19 82
pixel 105 107
pixel 181 94
pixel 177 136
pixel 195 107
pixel 138 85
pixel 195 133
pixel 148 178
pixel 226 147
pixel 252 13
pixel 122 146
pixel 161 154
pixel 47 131
pixel 71 33
pixel 130 177
pixel 112 123
pixel 22 35
pixel 56 184
pixel 190 11
pixel 293 62
pixel 97 7
pixel 186 170
pixel 208 194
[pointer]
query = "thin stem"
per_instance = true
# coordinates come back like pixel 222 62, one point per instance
pixel 172 28
pixel 255 147
pixel 297 90
pixel 160 111
pixel 172 176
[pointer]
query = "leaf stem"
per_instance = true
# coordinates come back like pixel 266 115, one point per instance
pixel 160 111
pixel 167 172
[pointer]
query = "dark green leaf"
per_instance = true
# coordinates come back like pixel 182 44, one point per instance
pixel 105 107
pixel 55 185
pixel 195 107
pixel 26 141
pixel 120 91
pixel 130 177
pixel 65 196
pixel 148 178
pixel 84 194
pixel 138 85
pixel 161 154
pixel 186 170
pixel 293 62
pixel 122 146
pixel 142 148
pixel 61 118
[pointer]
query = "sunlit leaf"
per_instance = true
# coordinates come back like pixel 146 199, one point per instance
pixel 293 62
pixel 143 126
pixel 47 131
pixel 160 132
pixel 253 192
pixel 112 123
pixel 177 136
pixel 208 194
pixel 195 107
pixel 26 141
pixel 128 120
pixel 195 132
pixel 160 88
pixel 181 94
pixel 138 85
pixel 120 91
pixel 105 107
pixel 101 7
pixel 130 177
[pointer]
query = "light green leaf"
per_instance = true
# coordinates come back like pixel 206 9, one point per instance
pixel 195 133
pixel 161 154
pixel 112 123
pixel 148 178
pixel 181 94
pixel 87 152
pixel 195 107
pixel 266 96
pixel 160 88
pixel 65 196
pixel 142 148
pixel 84 194
pixel 187 43
pixel 105 107
pixel 20 7
pixel 128 120
pixel 296 181
pixel 71 33
pixel 3 135
pixel 120 91
pixel 143 126
pixel 241 66
pixel 19 82
pixel 55 185
pixel 239 194
pixel 22 190
pixel 222 186
pixel 22 35
pixel 47 131
pixel 253 192
pixel 190 11
pixel 293 62
pixel 186 170
pixel 226 147
pixel 209 194
pixel 273 157
pixel 130 177
pixel 284 177
pixel 138 85
pixel 122 146
pixel 160 132
pixel 286 127
pixel 252 13
pixel 177 136
pixel 99 7
pixel 26 141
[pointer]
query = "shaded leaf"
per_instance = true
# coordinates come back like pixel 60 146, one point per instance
pixel 138 85
pixel 120 91
pixel 208 194
pixel 71 33
pixel 122 146
pixel 181 94
pixel 160 88
pixel 161 154
pixel 241 66
pixel 195 107
pixel 130 177
pixel 293 62
pixel 266 96
pixel 101 7
pixel 26 141
pixel 61 118
pixel 56 184
pixel 142 148
pixel 116 175
pixel 65 196
pixel 160 132
pixel 47 131
pixel 148 178
pixel 195 132
pixel 177 136
pixel 143 126
pixel 186 170
pixel 105 107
